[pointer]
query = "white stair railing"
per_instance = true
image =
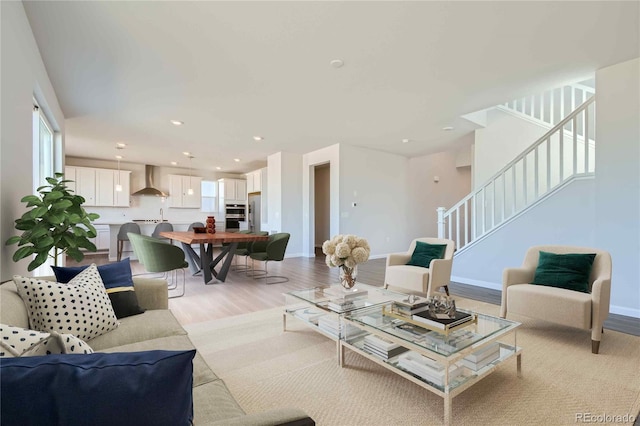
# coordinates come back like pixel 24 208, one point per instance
pixel 549 107
pixel 560 154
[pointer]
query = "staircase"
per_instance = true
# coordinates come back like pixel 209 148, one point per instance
pixel 566 152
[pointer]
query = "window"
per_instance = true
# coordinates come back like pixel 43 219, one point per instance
pixel 44 148
pixel 209 196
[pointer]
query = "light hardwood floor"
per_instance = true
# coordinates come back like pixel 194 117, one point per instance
pixel 241 294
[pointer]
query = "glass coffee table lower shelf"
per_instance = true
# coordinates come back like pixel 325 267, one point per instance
pixel 444 365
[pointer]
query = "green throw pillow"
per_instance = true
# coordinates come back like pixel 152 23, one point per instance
pixel 570 271
pixel 424 253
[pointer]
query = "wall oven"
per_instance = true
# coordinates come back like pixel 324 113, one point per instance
pixel 234 214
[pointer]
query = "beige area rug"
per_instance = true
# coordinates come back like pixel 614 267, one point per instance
pixel 265 368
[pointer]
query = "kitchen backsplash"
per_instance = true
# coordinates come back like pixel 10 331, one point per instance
pixel 145 208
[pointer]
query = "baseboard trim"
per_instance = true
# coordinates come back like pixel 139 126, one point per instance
pixel 477 283
pixel 473 289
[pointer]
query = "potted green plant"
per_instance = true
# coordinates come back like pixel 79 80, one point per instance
pixel 56 224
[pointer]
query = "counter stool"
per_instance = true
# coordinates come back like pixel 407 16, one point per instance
pixel 162 227
pixel 132 227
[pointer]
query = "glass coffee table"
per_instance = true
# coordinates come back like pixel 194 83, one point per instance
pixel 315 307
pixel 443 364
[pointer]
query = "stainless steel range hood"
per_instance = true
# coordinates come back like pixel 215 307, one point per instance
pixel 149 188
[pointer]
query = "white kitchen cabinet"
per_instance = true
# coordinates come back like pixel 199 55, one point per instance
pixel 254 181
pixel 103 237
pixel 232 190
pixel 70 174
pixel 102 240
pixel 241 190
pixel 105 187
pixel 179 195
pixel 86 184
pixel 98 186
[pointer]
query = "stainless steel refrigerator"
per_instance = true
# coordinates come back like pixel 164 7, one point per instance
pixel 254 212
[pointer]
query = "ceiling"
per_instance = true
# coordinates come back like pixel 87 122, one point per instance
pixel 234 70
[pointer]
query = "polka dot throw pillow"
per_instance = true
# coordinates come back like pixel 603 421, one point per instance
pixel 18 341
pixel 15 340
pixel 81 307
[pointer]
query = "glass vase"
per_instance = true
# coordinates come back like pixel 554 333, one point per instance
pixel 348 276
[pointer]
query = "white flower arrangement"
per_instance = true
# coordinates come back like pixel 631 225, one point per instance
pixel 346 251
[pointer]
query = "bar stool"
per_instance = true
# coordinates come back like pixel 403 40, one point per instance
pixel 162 227
pixel 132 227
pixel 194 225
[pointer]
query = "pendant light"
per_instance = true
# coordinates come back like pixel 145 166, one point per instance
pixel 190 190
pixel 119 157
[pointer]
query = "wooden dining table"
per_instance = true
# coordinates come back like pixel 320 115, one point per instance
pixel 204 261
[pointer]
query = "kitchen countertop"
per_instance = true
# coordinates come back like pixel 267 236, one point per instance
pixel 181 222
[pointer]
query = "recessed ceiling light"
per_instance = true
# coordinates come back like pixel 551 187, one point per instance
pixel 218 168
pixel 120 145
pixel 176 122
pixel 258 138
pixel 187 153
pixel 174 163
pixel 405 140
pixel 237 160
pixel 119 157
pixel 337 63
pixel 448 128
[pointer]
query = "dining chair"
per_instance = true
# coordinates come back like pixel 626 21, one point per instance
pixel 272 250
pixel 158 256
pixel 162 227
pixel 129 227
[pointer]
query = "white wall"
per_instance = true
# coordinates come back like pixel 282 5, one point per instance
pixel 618 179
pixel 23 76
pixel 284 199
pixel 566 217
pixel 425 195
pixel 504 138
pixel 377 183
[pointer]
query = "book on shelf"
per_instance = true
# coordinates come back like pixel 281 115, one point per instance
pixel 308 314
pixel 475 366
pixel 482 357
pixel 444 322
pixel 338 292
pixel 380 342
pixel 335 327
pixel 408 310
pixel 384 354
pixel 427 368
pixel 338 305
pixel 483 353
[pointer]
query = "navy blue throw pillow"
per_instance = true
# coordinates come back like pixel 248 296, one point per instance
pixel 100 389
pixel 117 280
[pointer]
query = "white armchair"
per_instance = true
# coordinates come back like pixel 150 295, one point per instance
pixel 415 279
pixel 585 311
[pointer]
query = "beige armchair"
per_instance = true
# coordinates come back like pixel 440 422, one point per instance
pixel 415 279
pixel 586 311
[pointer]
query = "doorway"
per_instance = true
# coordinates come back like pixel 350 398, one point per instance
pixel 322 204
